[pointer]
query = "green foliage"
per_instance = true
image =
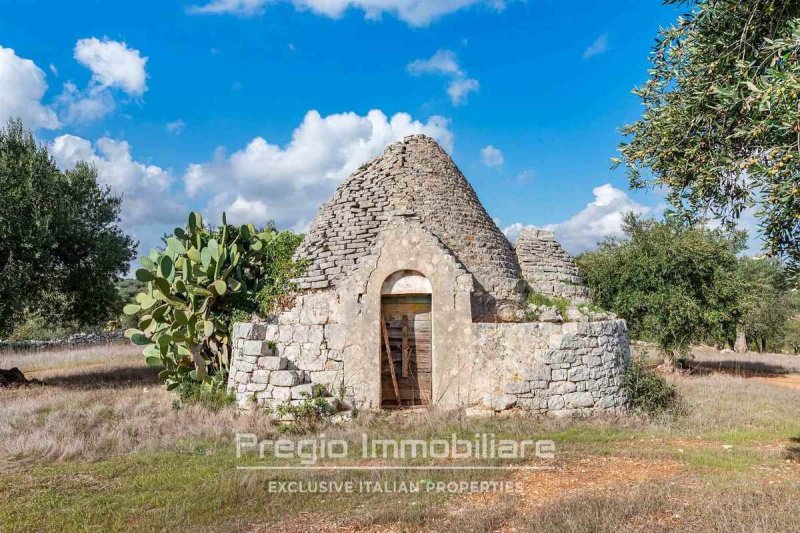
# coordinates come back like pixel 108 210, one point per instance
pixel 35 327
pixel 211 393
pixel 280 269
pixel 539 299
pixel 193 288
pixel 307 415
pixel 792 335
pixel 721 125
pixel 673 284
pixel 648 392
pixel 765 302
pixel 61 249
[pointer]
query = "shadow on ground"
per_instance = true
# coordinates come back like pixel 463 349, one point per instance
pixel 123 376
pixel 744 369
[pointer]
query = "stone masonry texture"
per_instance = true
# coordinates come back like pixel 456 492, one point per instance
pixel 414 178
pixel 547 268
pixel 411 210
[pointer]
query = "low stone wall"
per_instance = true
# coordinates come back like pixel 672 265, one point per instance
pixel 274 364
pixel 561 369
pixel 78 339
pixel 572 368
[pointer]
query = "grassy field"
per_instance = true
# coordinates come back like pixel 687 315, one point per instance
pixel 101 447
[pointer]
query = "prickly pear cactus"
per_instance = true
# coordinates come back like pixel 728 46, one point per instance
pixel 188 283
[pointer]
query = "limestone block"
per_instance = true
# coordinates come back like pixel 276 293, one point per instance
pixel 272 363
pixel 500 402
pixel 289 351
pixel 261 376
pixel 286 378
pixel 336 336
pixel 559 374
pixel 272 331
pixel 536 372
pixel 256 387
pixel 555 402
pixel 256 348
pixel 286 333
pixel 562 387
pixel 282 394
pixel 242 377
pixel 248 331
pixel 330 379
pixel 578 399
pixel 305 390
pixel 578 373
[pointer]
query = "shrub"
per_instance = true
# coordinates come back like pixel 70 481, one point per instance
pixel 539 299
pixel 35 327
pixel 211 393
pixel 192 289
pixel 307 414
pixel 648 392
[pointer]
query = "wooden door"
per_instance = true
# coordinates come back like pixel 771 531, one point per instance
pixel 407 324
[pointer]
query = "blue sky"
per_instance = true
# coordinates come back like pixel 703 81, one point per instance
pixel 261 107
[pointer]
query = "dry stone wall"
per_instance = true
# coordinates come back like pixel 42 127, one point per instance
pixel 547 268
pixel 560 369
pixel 566 369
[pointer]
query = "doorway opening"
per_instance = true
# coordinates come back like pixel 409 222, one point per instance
pixel 406 347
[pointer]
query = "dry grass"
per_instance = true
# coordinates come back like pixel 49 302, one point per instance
pixel 101 439
pixel 38 363
pixel 98 403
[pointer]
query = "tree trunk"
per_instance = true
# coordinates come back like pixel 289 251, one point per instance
pixel 740 346
pixel 763 345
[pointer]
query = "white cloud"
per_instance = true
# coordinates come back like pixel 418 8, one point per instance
pixel 264 181
pixel 22 86
pixel 460 88
pixel 599 46
pixel 113 64
pixel 413 12
pixel 445 63
pixel 492 157
pixel 53 69
pixel 176 126
pixel 442 62
pixel 145 189
pixel 84 106
pixel 601 218
pixel 512 231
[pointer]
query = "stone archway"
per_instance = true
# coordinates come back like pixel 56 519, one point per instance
pixel 406 330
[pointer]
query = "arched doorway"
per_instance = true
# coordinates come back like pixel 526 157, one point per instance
pixel 406 334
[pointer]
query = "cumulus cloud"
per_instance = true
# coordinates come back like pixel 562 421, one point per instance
pixel 22 86
pixel 445 63
pixel 492 157
pixel 113 64
pixel 84 106
pixel 459 89
pixel 599 46
pixel 601 218
pixel 413 12
pixel 264 181
pixel 145 189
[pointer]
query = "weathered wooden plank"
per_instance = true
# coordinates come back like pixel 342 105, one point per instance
pixel 389 355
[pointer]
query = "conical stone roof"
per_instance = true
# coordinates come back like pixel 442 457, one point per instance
pixel 413 178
